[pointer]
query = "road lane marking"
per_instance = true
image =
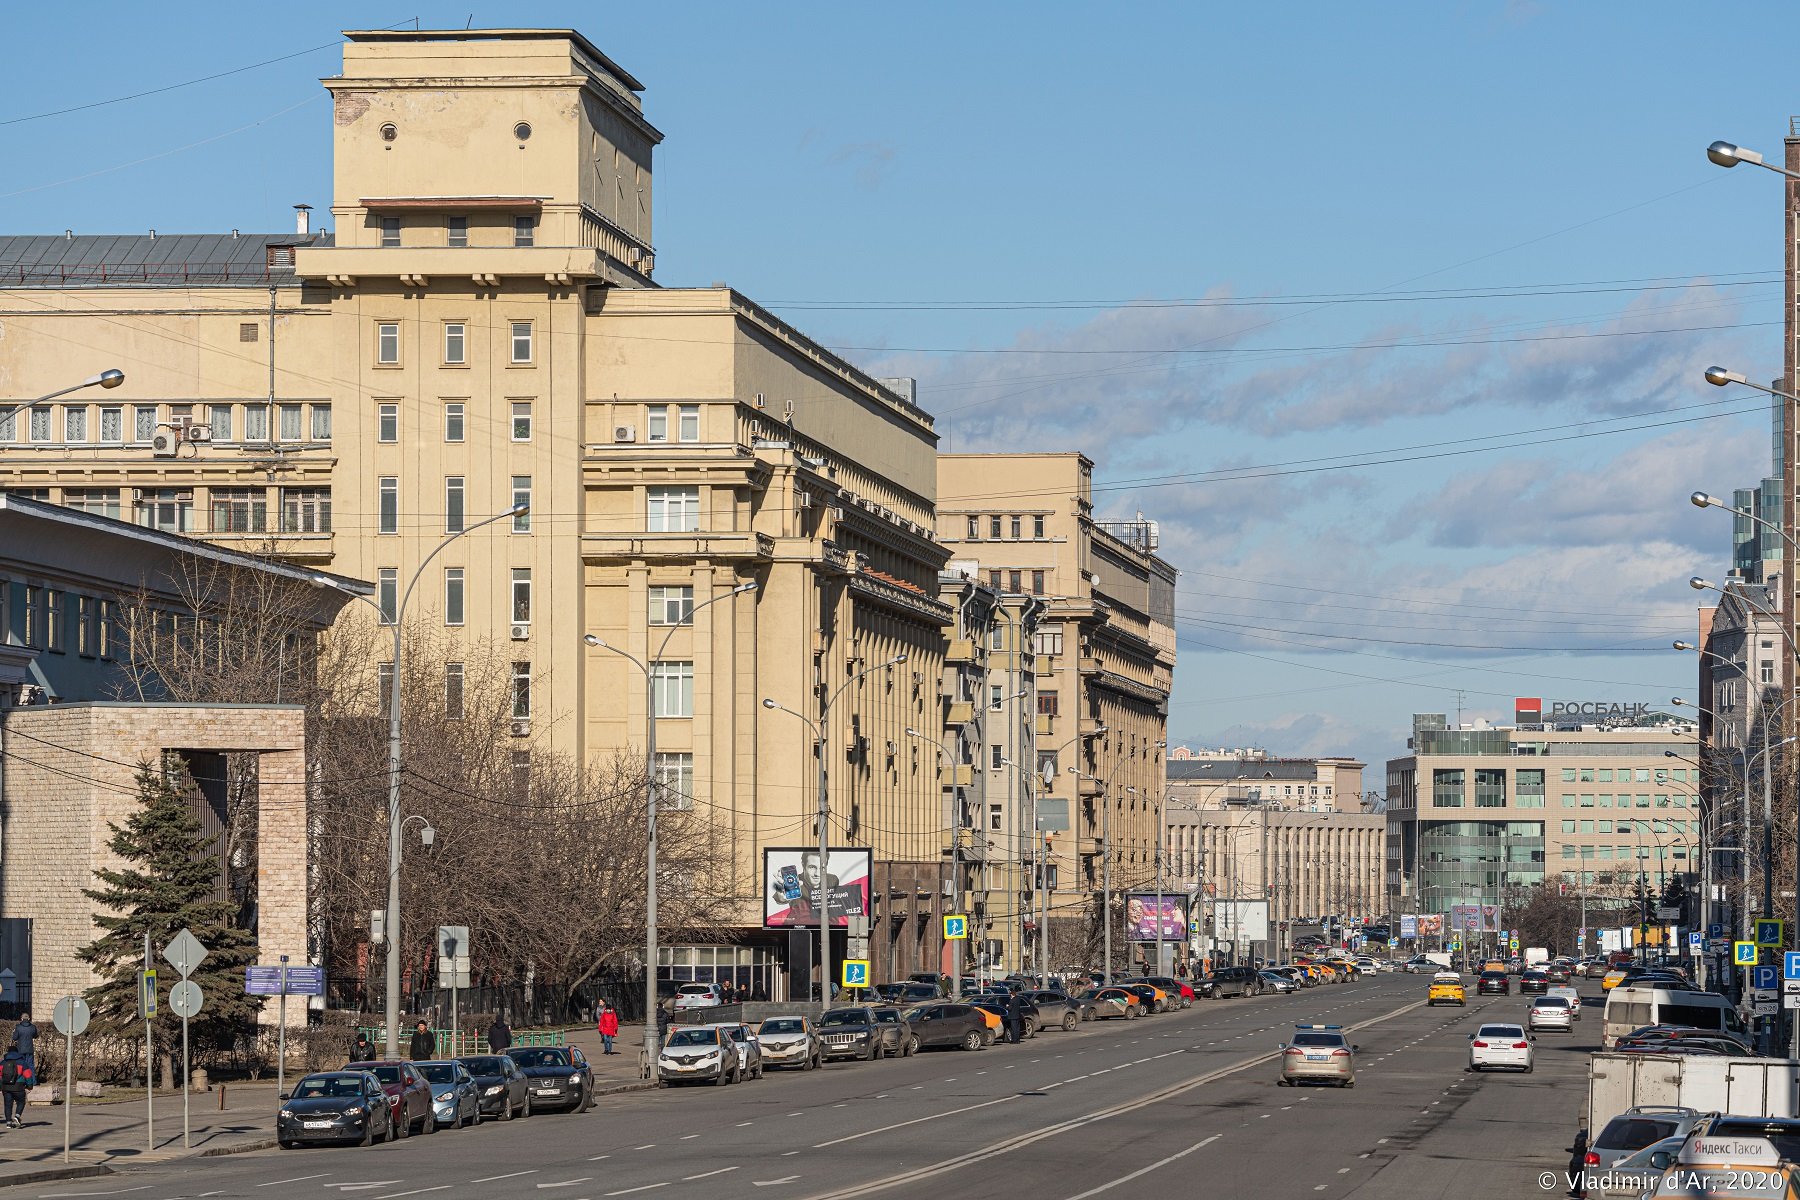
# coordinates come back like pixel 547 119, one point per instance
pixel 569 1183
pixel 741 1124
pixel 915 1121
pixel 396 1195
pixel 115 1192
pixel 496 1178
pixel 1146 1170
pixel 706 1174
pixel 596 1158
pixel 647 1187
pixel 295 1179
pixel 645 1146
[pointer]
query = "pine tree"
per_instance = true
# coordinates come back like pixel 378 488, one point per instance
pixel 168 880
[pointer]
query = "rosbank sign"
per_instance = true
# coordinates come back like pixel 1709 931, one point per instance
pixel 1530 710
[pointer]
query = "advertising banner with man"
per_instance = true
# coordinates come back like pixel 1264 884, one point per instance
pixel 1141 917
pixel 1431 924
pixel 793 881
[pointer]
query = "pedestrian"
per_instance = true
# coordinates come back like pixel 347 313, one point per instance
pixel 1015 1016
pixel 25 1034
pixel 727 994
pixel 1578 1165
pixel 499 1035
pixel 16 1078
pixel 363 1050
pixel 423 1044
pixel 609 1026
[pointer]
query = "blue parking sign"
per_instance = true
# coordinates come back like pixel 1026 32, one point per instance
pixel 1790 965
pixel 1715 931
pixel 1765 976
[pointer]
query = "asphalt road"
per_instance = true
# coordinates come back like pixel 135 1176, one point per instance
pixel 1159 1103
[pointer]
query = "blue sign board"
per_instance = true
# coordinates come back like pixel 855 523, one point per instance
pixel 1715 931
pixel 301 981
pixel 1765 976
pixel 1790 965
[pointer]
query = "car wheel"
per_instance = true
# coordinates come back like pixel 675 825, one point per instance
pixel 1350 1083
pixel 429 1125
pixel 403 1129
pixel 1283 1083
pixel 289 1144
pixel 759 1071
pixel 456 1122
pixel 973 1040
pixel 807 1063
pixel 526 1112
pixel 723 1079
pixel 1070 1020
pixel 912 1045
pixel 506 1108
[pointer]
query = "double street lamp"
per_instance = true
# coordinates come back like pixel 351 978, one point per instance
pixel 652 1038
pixel 395 823
pixel 824 818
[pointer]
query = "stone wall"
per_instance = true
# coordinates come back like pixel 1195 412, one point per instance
pixel 67 776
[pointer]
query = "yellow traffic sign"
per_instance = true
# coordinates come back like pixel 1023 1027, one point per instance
pixel 856 972
pixel 1743 954
pixel 1769 931
pixel 955 926
pixel 147 993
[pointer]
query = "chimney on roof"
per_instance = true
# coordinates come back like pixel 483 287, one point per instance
pixel 68 235
pixel 303 220
pixel 153 235
pixel 234 235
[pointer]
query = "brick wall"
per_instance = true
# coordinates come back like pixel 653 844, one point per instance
pixel 68 775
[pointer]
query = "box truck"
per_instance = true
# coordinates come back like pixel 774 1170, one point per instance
pixel 1753 1087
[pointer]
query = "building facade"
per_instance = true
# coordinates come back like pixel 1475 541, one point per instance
pixel 1104 659
pixel 1478 814
pixel 1208 778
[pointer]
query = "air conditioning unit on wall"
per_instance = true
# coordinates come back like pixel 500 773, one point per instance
pixel 521 728
pixel 624 433
pixel 164 444
pixel 521 633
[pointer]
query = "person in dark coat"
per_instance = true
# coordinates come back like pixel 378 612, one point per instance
pixel 363 1050
pixel 1578 1165
pixel 1015 1017
pixel 423 1044
pixel 499 1036
pixel 15 1080
pixel 25 1034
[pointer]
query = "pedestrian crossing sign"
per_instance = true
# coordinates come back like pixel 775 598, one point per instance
pixel 856 972
pixel 956 927
pixel 1769 931
pixel 1743 954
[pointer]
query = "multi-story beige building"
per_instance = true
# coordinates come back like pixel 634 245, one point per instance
pixel 1207 778
pixel 1480 813
pixel 1104 657
pixel 481 330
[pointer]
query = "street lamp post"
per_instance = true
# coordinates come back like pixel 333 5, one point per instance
pixel 110 378
pixel 1724 154
pixel 824 819
pixel 1105 862
pixel 392 1006
pixel 652 1038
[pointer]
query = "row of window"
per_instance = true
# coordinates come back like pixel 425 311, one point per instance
pixel 1006 527
pixel 46 618
pixel 521 343
pixel 1625 852
pixel 455 230
pixel 387 503
pixel 1626 774
pixel 1014 581
pixel 387 422
pixel 233 510
pixel 1627 826
pixel 118 424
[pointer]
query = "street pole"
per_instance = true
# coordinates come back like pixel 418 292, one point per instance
pixel 281 1037
pixel 1159 882
pixel 106 379
pixel 652 1038
pixel 148 1002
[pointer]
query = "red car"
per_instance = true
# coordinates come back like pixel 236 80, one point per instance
pixel 409 1096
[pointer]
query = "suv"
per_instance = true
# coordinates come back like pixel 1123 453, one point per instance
pixel 1231 981
pixel 858 1033
pixel 949 1025
pixel 697 995
pixel 697 1054
pixel 1636 1128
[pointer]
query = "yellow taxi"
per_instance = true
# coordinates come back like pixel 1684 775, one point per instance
pixel 1733 1158
pixel 1612 979
pixel 1446 988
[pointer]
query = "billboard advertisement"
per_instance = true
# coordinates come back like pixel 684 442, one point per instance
pixel 1240 921
pixel 1409 925
pixel 794 883
pixel 1141 917
pixel 1431 924
pixel 1490 918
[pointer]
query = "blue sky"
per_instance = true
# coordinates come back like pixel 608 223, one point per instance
pixel 1057 217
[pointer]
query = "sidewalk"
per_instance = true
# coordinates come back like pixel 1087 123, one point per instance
pixel 111 1132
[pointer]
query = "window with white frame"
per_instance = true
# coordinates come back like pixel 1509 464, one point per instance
pixel 387 593
pixel 387 423
pixel 291 427
pixel 75 423
pixel 453 421
pixel 690 422
pixel 306 510
pixel 218 423
pixel 673 509
pixel 524 231
pixel 387 489
pixel 240 510
pixel 521 691
pixel 521 420
pixel 390 232
pixel 656 423
pixel 521 341
pixel 453 504
pixel 456 348
pixel 672 688
pixel 41 430
pixel 387 343
pixel 521 595
pixel 168 509
pixel 675 780
pixel 453 595
pixel 671 605
pixel 256 423
pixel 521 494
pixel 453 691
pixel 456 231
pixel 321 422
pixel 102 502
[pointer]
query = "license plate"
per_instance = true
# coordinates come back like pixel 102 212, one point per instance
pixel 319 1124
pixel 1318 1058
pixel 546 1091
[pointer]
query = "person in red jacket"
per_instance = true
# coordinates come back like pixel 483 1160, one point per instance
pixel 609 1025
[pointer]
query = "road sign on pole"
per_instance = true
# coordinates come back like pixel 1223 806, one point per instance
pixel 1743 954
pixel 1765 977
pixel 185 953
pixel 956 926
pixel 1769 931
pixel 856 972
pixel 70 1018
pixel 185 999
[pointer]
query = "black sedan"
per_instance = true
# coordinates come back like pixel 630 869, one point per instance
pixel 1534 982
pixel 1060 1009
pixel 949 1025
pixel 560 1078
pixel 1493 983
pixel 335 1106
pixel 505 1092
pixel 1031 1017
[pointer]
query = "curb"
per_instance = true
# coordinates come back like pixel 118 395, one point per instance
pixel 242 1148
pixel 54 1174
pixel 641 1085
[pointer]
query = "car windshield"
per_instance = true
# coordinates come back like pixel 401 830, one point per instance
pixel 845 1016
pixel 1627 1134
pixel 1783 1135
pixel 1500 1031
pixel 693 1037
pixel 540 1057
pixel 1668 1145
pixel 486 1065
pixel 387 1075
pixel 1318 1039
pixel 783 1025
pixel 322 1087
pixel 886 1016
pixel 438 1072
pixel 694 989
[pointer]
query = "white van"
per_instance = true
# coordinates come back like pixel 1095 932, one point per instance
pixel 1629 1008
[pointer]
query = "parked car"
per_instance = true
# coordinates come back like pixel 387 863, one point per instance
pixel 897 1035
pixel 1275 981
pixel 1110 1002
pixel 1318 1054
pixel 698 1054
pixel 856 1032
pixel 749 1050
pixel 1550 1012
pixel 1060 1010
pixel 1636 1128
pixel 1000 1005
pixel 949 1024
pixel 940 982
pixel 1493 983
pixel 1638 1174
pixel 790 1042
pixel 697 995
pixel 906 994
pixel 1230 981
pixel 1180 993
pixel 503 1087
pixel 560 1077
pixel 1534 982
pixel 335 1106
pixel 1507 1046
pixel 408 1095
pixel 455 1098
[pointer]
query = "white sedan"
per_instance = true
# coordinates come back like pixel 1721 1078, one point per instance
pixel 1500 1046
pixel 1550 1012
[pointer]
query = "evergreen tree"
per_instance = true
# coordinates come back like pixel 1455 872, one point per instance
pixel 168 880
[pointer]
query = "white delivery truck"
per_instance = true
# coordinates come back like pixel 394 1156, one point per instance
pixel 1536 956
pixel 1440 957
pixel 1751 1087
